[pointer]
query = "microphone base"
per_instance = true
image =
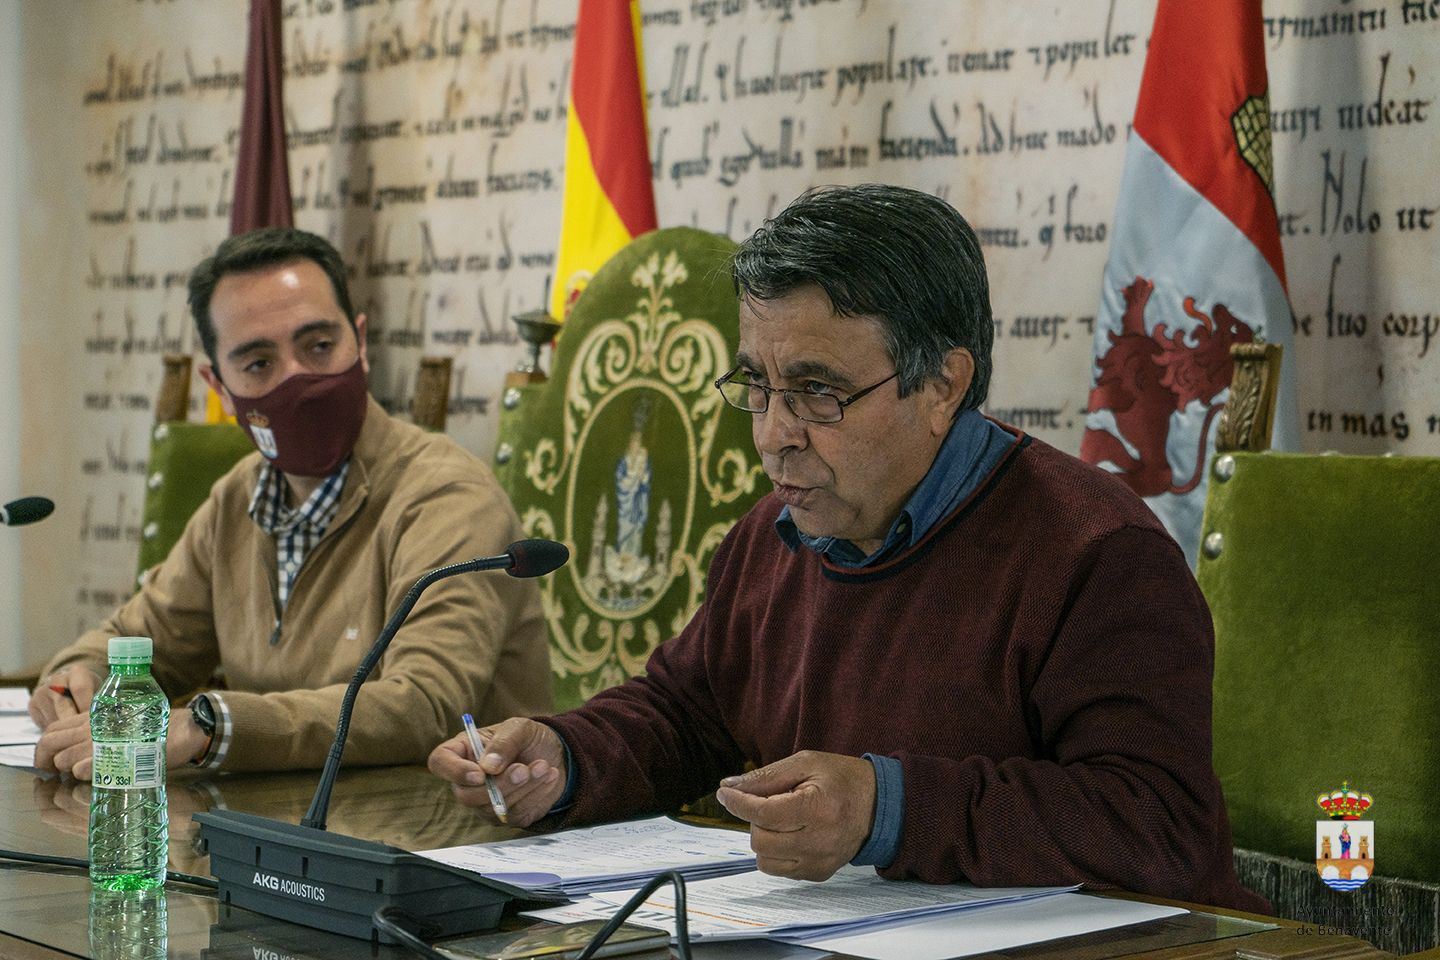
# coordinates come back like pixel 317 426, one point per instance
pixel 333 882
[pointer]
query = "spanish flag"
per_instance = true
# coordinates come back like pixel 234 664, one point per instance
pixel 608 198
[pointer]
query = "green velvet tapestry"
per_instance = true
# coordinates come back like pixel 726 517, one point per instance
pixel 185 461
pixel 629 455
pixel 1325 592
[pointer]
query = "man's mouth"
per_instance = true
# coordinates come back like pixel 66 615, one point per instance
pixel 793 496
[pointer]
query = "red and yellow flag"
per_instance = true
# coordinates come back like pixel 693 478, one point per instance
pixel 608 198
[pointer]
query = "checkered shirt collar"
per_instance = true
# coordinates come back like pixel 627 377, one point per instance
pixel 268 509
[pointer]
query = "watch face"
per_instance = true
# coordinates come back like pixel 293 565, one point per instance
pixel 203 713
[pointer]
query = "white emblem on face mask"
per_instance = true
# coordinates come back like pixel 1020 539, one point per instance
pixel 265 441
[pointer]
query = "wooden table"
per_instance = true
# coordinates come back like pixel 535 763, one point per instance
pixel 45 911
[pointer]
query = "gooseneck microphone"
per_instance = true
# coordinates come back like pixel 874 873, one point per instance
pixel 523 558
pixel 307 875
pixel 17 513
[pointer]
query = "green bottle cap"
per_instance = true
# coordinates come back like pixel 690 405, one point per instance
pixel 130 649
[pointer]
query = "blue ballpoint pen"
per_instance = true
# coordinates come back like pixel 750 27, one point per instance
pixel 497 799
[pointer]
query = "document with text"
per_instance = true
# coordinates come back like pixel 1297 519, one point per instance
pixel 14 699
pixel 19 755
pixel 613 856
pixel 999 927
pixel 18 729
pixel 755 904
pixel 18 733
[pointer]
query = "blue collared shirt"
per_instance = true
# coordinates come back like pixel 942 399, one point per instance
pixel 972 448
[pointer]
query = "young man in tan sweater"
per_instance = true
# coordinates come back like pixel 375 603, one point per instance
pixel 287 573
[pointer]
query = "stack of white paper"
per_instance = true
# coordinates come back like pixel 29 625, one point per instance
pixel 854 901
pixel 854 912
pixel 18 734
pixel 1001 927
pixel 14 700
pixel 614 856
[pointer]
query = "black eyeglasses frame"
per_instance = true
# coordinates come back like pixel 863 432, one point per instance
pixel 790 395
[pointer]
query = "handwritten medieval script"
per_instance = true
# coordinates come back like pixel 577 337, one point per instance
pixel 426 141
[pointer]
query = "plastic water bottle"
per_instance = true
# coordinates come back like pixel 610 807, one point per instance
pixel 129 823
pixel 129 924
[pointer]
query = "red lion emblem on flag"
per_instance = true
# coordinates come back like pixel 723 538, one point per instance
pixel 1144 378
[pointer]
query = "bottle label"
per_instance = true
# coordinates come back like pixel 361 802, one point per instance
pixel 129 766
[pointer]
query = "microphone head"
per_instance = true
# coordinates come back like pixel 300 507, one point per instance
pixel 29 509
pixel 535 558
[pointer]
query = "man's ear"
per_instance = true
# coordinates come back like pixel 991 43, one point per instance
pixel 207 373
pixel 360 336
pixel 952 385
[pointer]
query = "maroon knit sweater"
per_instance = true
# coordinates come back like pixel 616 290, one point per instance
pixel 1040 664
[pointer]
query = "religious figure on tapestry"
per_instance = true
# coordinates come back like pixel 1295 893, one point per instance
pixel 620 575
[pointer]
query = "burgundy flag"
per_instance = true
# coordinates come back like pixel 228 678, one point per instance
pixel 262 173
pixel 262 169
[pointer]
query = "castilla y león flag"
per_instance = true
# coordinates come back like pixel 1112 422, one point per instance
pixel 608 199
pixel 1195 262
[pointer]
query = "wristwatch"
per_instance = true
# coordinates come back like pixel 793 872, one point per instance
pixel 202 711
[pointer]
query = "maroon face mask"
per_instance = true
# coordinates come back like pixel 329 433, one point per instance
pixel 309 423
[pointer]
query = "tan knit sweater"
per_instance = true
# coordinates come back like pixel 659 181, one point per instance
pixel 412 501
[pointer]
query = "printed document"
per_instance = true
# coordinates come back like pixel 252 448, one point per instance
pixel 18 729
pixel 21 755
pixel 18 733
pixel 612 856
pixel 758 905
pixel 14 700
pixel 1000 927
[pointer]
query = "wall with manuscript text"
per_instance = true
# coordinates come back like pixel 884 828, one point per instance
pixel 426 140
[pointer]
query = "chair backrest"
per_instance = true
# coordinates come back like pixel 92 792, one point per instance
pixel 431 403
pixel 185 461
pixel 1322 579
pixel 630 456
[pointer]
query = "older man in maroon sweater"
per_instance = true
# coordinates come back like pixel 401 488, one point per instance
pixel 947 649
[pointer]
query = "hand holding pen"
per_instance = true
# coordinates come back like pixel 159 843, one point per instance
pixel 67 692
pixel 521 755
pixel 497 799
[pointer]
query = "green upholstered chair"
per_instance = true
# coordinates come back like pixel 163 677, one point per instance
pixel 630 457
pixel 1323 577
pixel 185 461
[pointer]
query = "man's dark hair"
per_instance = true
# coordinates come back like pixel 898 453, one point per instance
pixel 254 250
pixel 899 255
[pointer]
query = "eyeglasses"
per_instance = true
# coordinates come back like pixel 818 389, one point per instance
pixel 810 407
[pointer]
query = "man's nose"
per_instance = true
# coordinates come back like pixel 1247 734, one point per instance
pixel 289 365
pixel 778 429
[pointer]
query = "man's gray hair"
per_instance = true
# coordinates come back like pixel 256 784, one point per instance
pixel 898 255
